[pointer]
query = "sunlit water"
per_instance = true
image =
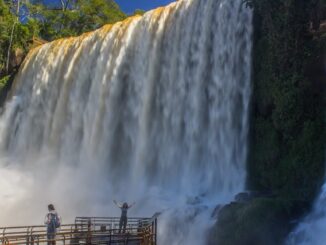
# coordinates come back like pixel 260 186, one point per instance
pixel 153 109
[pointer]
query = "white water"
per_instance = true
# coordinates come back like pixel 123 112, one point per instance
pixel 152 110
pixel 311 231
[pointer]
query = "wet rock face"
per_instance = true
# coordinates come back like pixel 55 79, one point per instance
pixel 245 197
pixel 259 221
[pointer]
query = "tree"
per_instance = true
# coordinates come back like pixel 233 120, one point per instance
pixel 75 17
pixel 6 23
pixel 22 20
pixel 139 12
pixel 12 34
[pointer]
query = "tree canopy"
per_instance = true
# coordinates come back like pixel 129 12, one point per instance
pixel 23 20
pixel 74 18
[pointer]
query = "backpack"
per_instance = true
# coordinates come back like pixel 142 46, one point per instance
pixel 54 220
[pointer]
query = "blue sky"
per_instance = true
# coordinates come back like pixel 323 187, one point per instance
pixel 128 6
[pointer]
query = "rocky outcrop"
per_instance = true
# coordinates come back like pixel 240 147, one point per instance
pixel 254 218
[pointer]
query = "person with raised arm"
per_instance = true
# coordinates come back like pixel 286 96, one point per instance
pixel 124 210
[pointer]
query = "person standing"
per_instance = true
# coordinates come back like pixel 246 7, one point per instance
pixel 124 210
pixel 52 222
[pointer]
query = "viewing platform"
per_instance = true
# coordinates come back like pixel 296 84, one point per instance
pixel 86 230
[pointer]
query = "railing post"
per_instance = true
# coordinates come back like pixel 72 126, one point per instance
pixel 30 236
pixel 155 231
pixel 89 233
pixel 27 236
pixel 126 238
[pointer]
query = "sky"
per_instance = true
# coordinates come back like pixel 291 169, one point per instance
pixel 129 6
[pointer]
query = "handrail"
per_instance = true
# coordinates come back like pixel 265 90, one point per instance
pixel 86 230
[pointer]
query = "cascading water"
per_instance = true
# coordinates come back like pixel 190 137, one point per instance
pixel 153 109
pixel 311 231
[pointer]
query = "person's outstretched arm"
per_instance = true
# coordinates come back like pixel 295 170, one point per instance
pixel 131 204
pixel 118 204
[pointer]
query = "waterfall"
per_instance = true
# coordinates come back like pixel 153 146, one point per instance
pixel 153 109
pixel 311 231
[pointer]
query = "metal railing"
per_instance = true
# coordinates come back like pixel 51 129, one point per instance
pixel 86 230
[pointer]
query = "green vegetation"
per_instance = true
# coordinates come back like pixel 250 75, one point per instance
pixel 139 12
pixel 22 21
pixel 3 81
pixel 288 134
pixel 13 35
pixel 77 18
pixel 288 122
pixel 251 223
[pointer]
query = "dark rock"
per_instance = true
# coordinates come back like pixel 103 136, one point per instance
pixel 216 211
pixel 262 221
pixel 6 89
pixel 250 195
pixel 243 197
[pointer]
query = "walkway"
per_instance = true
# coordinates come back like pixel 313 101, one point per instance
pixel 86 230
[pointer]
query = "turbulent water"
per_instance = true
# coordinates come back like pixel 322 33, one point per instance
pixel 311 230
pixel 153 109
